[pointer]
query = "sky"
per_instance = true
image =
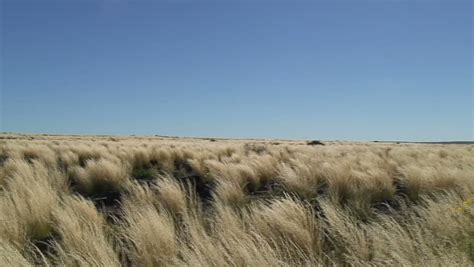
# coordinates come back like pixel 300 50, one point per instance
pixel 329 70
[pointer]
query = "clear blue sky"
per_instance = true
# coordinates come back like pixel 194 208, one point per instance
pixel 353 70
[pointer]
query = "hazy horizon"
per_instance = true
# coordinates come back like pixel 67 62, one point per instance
pixel 287 70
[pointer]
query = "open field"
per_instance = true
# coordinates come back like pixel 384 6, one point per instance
pixel 153 201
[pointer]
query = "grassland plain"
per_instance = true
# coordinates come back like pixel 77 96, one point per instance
pixel 159 201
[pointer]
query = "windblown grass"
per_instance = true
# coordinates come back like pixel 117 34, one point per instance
pixel 154 201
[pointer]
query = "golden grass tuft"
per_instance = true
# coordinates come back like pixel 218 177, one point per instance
pixel 26 205
pixel 85 238
pixel 288 223
pixel 100 176
pixel 150 236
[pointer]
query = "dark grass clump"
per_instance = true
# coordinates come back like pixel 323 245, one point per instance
pixel 315 143
pixel 145 174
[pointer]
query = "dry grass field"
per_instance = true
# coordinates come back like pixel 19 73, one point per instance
pixel 160 201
